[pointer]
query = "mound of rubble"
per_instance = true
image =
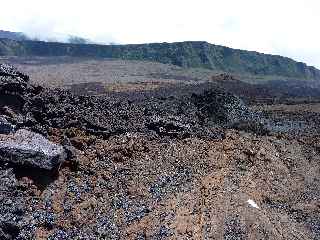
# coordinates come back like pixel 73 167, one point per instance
pixel 159 165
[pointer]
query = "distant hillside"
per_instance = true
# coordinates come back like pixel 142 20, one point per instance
pixel 18 36
pixel 185 54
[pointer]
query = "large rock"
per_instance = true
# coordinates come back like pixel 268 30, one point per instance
pixel 25 148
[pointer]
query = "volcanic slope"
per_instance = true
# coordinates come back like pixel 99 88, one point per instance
pixel 180 163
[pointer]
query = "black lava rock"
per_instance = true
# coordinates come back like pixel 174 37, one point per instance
pixel 5 126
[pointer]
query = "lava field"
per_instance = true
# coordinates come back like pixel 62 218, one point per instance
pixel 177 162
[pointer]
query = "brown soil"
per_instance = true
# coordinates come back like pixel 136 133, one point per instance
pixel 194 189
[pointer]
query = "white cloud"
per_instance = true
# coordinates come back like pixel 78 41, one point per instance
pixel 285 27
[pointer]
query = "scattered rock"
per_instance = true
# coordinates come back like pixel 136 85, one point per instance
pixel 169 127
pixel 223 77
pixel 12 205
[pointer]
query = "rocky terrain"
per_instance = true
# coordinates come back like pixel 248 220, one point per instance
pixel 189 161
pixel 101 76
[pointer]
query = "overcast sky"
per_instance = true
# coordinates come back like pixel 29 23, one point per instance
pixel 284 27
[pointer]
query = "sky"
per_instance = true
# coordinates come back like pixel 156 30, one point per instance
pixel 283 27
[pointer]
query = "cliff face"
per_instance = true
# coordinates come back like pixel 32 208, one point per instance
pixel 184 54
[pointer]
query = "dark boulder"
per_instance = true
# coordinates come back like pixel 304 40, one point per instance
pixel 223 108
pixel 12 80
pixel 25 148
pixel 14 87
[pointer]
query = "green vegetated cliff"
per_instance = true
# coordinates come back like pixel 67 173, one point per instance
pixel 184 54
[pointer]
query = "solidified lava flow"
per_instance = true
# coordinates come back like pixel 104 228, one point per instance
pixel 191 162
